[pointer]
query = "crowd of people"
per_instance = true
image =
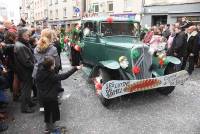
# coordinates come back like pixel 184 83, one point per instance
pixel 30 63
pixel 181 40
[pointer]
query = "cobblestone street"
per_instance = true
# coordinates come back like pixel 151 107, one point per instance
pixel 140 113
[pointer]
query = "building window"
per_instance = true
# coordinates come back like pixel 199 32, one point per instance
pixel 56 2
pixel 50 2
pixel 194 19
pixel 110 6
pixel 56 13
pixel 65 12
pixel 96 8
pixel 38 4
pixel 128 5
pixel 45 13
pixel 159 20
pixel 41 4
pixel 51 15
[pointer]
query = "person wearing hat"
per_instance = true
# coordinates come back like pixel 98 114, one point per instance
pixel 185 23
pixel 24 63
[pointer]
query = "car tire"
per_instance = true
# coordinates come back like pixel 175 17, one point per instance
pixel 105 78
pixel 167 90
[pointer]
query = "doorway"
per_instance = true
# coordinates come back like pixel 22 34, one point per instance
pixel 159 19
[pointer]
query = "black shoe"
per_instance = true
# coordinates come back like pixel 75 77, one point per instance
pixel 28 110
pixel 61 90
pixel 32 104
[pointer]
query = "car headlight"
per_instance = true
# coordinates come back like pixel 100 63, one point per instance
pixel 123 61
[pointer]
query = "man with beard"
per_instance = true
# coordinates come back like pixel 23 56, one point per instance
pixel 24 63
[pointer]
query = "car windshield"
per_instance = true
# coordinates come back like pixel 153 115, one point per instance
pixel 120 28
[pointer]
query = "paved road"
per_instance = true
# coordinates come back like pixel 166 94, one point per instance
pixel 140 113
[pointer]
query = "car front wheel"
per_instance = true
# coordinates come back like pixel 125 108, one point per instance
pixel 104 74
pixel 167 90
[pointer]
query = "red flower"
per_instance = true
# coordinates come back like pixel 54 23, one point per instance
pixel 66 40
pixel 136 70
pixel 98 86
pixel 109 20
pixel 161 62
pixel 77 48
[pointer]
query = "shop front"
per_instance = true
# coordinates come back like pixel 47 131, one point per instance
pixel 168 14
pixel 127 15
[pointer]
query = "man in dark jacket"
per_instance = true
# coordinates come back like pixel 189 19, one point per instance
pixel 178 47
pixel 197 61
pixel 192 48
pixel 24 63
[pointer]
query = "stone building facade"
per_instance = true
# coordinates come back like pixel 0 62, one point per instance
pixel 157 12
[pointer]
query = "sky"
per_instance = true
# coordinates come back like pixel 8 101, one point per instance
pixel 13 9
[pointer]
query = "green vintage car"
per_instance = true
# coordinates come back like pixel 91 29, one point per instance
pixel 121 64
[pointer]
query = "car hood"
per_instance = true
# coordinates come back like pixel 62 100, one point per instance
pixel 121 41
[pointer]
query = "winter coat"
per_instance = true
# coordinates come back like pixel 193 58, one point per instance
pixel 47 83
pixel 198 41
pixel 178 45
pixel 40 52
pixel 155 42
pixel 170 41
pixel 23 61
pixel 9 55
pixel 166 33
pixel 58 46
pixel 148 37
pixel 59 50
pixel 1 36
pixel 192 43
pixel 3 81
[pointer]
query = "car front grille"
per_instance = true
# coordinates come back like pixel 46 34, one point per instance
pixel 144 61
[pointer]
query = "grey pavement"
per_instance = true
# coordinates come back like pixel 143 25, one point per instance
pixel 139 113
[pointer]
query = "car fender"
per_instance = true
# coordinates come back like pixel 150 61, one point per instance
pixel 110 64
pixel 156 71
pixel 173 60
